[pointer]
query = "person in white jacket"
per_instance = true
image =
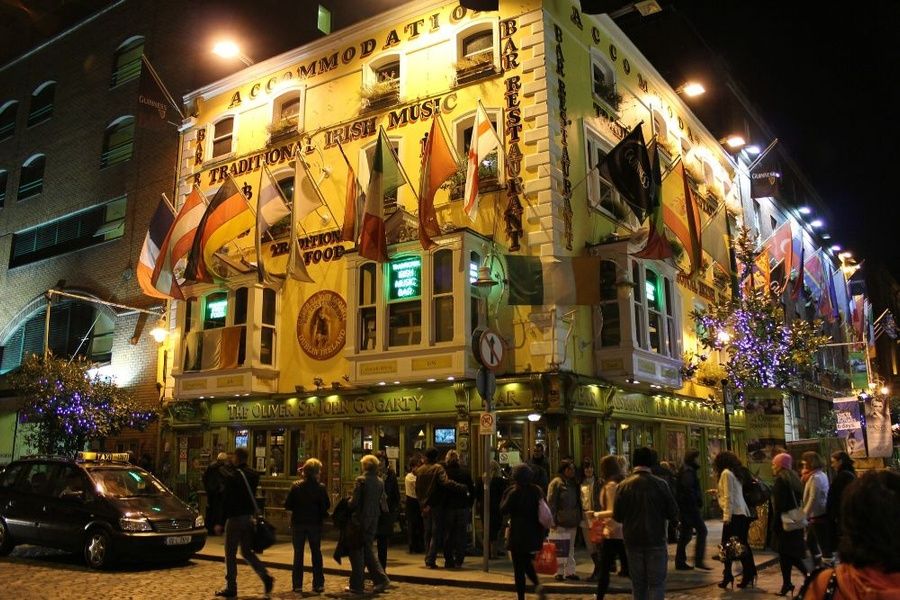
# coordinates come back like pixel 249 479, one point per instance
pixel 735 516
pixel 815 505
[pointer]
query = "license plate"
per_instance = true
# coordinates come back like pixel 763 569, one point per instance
pixel 178 540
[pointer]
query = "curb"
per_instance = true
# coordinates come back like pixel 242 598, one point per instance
pixel 549 587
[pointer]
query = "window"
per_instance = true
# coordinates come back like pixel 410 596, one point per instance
pixel 4 178
pixel 31 178
pixel 267 342
pixel 757 216
pixel 8 119
pixel 773 223
pixel 381 82
pixel 127 61
pixel 404 301
pixel 655 327
pixel 442 295
pixel 41 103
pixel 390 197
pixel 609 326
pixel 476 54
pixel 602 196
pixel 77 328
pixel 223 137
pixel 118 142
pixel 215 312
pixel 368 322
pixel 475 303
pixel 76 231
pixel 638 306
pixel 389 72
pixel 323 21
pixel 240 306
pixel 286 111
pixel 603 81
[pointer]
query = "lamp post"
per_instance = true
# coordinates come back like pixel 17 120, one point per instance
pixel 729 408
pixel 229 49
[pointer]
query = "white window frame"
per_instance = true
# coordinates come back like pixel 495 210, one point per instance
pixel 435 296
pixel 286 95
pixel 598 61
pixel 593 141
pixel 211 139
pixel 478 27
pixel 669 317
pixel 370 69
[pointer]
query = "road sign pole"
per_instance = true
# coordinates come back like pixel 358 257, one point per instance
pixel 485 381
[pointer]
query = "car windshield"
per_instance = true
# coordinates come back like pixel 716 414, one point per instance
pixel 127 483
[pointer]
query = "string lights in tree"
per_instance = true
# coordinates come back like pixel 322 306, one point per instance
pixel 763 350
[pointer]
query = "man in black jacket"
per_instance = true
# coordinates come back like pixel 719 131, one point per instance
pixel 457 507
pixel 690 501
pixel 214 484
pixel 238 508
pixel 643 505
pixel 432 487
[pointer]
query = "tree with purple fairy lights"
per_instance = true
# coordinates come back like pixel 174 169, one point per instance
pixel 763 350
pixel 68 407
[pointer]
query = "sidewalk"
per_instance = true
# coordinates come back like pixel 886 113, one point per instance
pixel 403 566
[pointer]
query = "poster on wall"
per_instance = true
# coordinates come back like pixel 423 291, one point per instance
pixel 878 427
pixel 765 429
pixel 849 428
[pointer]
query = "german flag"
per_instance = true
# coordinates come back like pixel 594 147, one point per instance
pixel 227 216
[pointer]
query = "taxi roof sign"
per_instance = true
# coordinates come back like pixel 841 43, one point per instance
pixel 90 456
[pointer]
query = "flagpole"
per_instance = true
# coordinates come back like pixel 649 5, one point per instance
pixel 161 85
pixel 761 156
pixel 169 205
pixel 358 190
pixel 315 185
pixel 325 174
pixel 399 164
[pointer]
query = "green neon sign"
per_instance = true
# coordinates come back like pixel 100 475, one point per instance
pixel 405 277
pixel 217 309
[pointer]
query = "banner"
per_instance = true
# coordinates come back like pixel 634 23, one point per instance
pixel 878 427
pixel 849 428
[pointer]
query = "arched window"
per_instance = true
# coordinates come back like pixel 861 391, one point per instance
pixel 442 295
pixel 287 111
pixel 118 141
pixel 127 61
pixel 490 171
pixel 31 177
pixel 381 81
pixel 603 81
pixel 4 179
pixel 476 52
pixel 223 137
pixel 41 103
pixel 8 119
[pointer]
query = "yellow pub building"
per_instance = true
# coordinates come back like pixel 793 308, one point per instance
pixel 381 356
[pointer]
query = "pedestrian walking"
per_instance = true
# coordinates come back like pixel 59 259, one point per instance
pixel 590 494
pixel 564 498
pixel 690 502
pixel 415 529
pixel 432 486
pixel 540 466
pixel 815 505
pixel 844 474
pixel 786 493
pixel 387 519
pixel 526 534
pixel 458 513
pixel 309 503
pixel 870 546
pixel 613 544
pixel 643 505
pixel 367 503
pixel 735 517
pixel 214 484
pixel 238 508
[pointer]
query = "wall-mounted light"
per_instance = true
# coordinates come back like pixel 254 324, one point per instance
pixel 534 417
pixel 230 49
pixel 734 141
pixel 160 331
pixel 816 223
pixel 804 210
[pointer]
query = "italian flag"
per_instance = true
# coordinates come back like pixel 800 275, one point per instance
pixel 385 177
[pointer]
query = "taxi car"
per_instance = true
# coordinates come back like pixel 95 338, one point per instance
pixel 98 505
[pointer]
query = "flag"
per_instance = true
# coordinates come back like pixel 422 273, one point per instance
pixel 307 196
pixel 715 239
pixel 438 164
pixel 227 216
pixel 627 166
pixel 484 141
pixel 271 207
pixel 296 265
pixel 480 4
pixel 177 244
pixel 535 280
pixel 841 303
pixel 766 184
pixel 354 200
pixel 385 177
pixel 828 301
pixel 681 214
pixel 657 245
pixel 813 275
pixel 780 247
pixel 154 101
pixel 160 223
pixel 798 251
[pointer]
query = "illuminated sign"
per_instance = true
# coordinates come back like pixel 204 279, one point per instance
pixel 405 278
pixel 217 309
pixel 473 272
pixel 651 291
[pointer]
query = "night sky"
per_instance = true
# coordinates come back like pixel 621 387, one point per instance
pixel 824 76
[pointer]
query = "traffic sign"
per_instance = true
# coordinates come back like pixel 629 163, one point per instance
pixel 488 348
pixel 487 424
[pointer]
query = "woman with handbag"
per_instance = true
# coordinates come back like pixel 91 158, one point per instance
pixel 735 518
pixel 612 543
pixel 526 534
pixel 564 498
pixel 787 520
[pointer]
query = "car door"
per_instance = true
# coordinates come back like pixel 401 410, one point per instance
pixel 22 508
pixel 11 499
pixel 65 508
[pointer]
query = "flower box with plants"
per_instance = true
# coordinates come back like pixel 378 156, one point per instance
pixel 282 128
pixel 473 68
pixel 488 179
pixel 381 94
pixel 608 94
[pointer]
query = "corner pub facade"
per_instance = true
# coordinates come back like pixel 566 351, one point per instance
pixel 379 357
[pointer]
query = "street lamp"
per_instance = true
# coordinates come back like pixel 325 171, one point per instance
pixel 691 89
pixel 229 49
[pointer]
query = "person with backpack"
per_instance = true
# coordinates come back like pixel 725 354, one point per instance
pixel 735 518
pixel 690 501
pixel 815 505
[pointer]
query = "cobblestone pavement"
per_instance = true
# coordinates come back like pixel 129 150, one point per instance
pixel 36 574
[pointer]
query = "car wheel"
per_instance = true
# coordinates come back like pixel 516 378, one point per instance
pixel 6 542
pixel 97 551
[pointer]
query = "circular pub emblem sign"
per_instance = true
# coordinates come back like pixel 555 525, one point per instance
pixel 322 325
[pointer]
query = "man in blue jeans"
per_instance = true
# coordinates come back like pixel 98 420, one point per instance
pixel 644 503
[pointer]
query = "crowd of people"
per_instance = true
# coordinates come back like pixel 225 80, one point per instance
pixel 839 534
